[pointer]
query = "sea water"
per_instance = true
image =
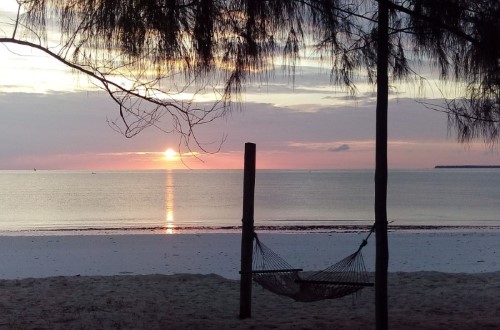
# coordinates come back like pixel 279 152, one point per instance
pixel 176 200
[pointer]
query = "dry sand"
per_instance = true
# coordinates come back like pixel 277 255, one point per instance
pixel 419 300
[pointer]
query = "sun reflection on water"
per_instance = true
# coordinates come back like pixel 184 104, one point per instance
pixel 169 203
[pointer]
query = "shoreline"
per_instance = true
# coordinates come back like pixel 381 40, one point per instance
pixel 278 229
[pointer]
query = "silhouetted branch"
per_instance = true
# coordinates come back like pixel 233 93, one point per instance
pixel 232 42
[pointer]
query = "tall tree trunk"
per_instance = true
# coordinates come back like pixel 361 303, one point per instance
pixel 247 231
pixel 382 250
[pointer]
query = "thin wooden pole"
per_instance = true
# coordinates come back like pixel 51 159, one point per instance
pixel 247 232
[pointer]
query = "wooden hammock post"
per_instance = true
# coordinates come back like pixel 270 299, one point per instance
pixel 247 232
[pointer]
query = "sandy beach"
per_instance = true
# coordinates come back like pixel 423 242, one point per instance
pixel 438 280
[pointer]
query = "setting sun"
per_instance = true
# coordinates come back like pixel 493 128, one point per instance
pixel 170 154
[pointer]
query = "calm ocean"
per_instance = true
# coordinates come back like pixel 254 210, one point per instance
pixel 172 201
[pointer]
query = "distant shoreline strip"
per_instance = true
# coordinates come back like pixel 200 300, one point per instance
pixel 467 166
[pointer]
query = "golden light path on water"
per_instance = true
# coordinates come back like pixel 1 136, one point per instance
pixel 169 203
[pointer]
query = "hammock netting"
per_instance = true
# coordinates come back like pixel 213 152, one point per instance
pixel 272 272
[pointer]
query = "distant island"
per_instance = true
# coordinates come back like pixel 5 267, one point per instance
pixel 467 166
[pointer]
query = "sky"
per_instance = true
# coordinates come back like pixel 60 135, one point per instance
pixel 54 119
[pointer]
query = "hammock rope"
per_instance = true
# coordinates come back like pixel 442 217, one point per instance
pixel 343 278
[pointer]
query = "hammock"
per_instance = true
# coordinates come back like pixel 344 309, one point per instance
pixel 273 273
